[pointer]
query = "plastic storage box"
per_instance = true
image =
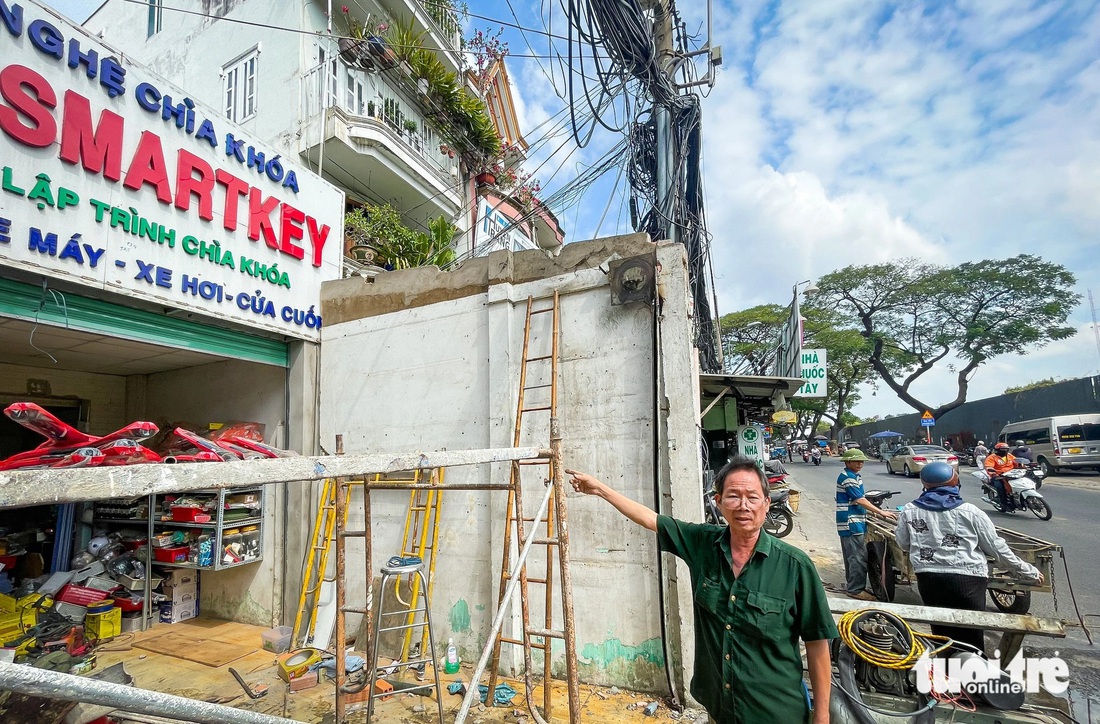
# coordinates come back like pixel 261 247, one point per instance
pixel 172 554
pixel 276 640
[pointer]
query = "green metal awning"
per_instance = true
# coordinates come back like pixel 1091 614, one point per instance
pixel 27 302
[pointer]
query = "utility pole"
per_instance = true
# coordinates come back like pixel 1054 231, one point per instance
pixel 668 183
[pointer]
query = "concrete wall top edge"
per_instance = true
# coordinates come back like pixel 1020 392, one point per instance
pixel 345 300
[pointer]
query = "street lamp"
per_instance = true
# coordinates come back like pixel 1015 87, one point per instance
pixel 808 290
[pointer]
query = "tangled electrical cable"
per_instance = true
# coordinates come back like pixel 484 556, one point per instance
pixel 911 644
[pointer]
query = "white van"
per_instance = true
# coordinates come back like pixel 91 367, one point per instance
pixel 1061 441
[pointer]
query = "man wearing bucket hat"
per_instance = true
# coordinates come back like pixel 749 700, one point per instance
pixel 851 523
pixel 949 542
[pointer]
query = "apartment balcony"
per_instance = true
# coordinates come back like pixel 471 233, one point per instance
pixel 376 142
pixel 438 19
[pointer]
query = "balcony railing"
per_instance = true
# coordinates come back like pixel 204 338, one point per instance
pixel 368 98
pixel 442 13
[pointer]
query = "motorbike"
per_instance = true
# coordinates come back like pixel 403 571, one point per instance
pixel 1035 472
pixel 815 456
pixel 1024 495
pixel 805 456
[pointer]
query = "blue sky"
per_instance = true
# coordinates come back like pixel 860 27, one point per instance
pixel 858 131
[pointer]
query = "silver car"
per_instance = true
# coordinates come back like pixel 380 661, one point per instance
pixel 910 459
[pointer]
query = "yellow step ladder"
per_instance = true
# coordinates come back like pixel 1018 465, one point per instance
pixel 421 538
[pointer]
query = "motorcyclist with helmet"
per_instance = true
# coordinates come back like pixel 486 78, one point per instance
pixel 997 463
pixel 1023 453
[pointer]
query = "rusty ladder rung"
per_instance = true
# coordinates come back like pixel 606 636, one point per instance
pixel 540 358
pixel 538 387
pixel 353 534
pixel 546 633
pixel 350 609
pixel 535 409
pixel 542 311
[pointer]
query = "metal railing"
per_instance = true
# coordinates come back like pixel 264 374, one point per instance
pixel 443 14
pixel 366 98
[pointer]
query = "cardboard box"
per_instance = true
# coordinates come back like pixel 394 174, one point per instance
pixel 182 594
pixel 176 612
pixel 181 577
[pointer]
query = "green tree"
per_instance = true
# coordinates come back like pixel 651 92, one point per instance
pixel 917 316
pixel 750 338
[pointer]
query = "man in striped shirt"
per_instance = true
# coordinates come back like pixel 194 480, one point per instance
pixel 851 523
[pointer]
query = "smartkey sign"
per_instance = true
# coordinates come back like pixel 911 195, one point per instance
pixel 113 178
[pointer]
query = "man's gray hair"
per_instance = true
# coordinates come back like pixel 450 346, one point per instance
pixel 736 464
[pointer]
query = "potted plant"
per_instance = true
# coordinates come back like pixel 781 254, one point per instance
pixel 370 109
pixel 358 242
pixel 403 38
pixel 380 48
pixel 352 47
pixel 391 112
pixel 411 126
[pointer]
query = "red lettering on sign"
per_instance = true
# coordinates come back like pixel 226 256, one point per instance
pixel 148 167
pixel 31 96
pixel 98 150
pixel 317 237
pixel 235 189
pixel 292 231
pixel 187 184
pixel 259 217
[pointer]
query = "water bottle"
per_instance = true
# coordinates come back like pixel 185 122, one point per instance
pixel 450 665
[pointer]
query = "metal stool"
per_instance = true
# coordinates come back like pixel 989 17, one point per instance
pixel 390 572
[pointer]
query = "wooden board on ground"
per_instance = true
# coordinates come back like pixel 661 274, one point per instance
pixel 186 645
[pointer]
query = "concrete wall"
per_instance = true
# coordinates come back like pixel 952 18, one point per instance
pixel 421 360
pixel 106 394
pixel 233 390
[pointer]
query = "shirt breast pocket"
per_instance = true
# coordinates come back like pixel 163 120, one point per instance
pixel 708 594
pixel 767 616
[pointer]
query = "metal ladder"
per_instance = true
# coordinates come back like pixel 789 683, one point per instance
pixel 421 536
pixel 395 570
pixel 316 564
pixel 554 537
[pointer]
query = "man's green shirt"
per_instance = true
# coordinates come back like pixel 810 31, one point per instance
pixel 748 668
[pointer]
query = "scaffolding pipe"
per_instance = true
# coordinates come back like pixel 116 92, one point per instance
pixel 513 581
pixel 55 685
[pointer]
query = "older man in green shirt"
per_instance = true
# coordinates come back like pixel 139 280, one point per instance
pixel 755 597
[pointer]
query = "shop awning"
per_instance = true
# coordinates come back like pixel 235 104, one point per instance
pixel 74 312
pixel 757 396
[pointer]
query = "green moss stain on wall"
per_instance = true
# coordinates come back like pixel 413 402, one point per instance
pixel 638 667
pixel 460 616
